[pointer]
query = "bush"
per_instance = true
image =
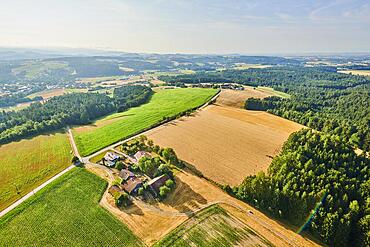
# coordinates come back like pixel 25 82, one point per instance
pixel 123 200
pixel 163 191
pixel 75 159
pixel 140 192
pixel 117 181
pixel 170 183
pixel 119 165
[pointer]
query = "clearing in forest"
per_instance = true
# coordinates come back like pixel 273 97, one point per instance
pixel 165 103
pixel 66 213
pixel 28 163
pixel 356 72
pixel 213 226
pixel 236 98
pixel 226 144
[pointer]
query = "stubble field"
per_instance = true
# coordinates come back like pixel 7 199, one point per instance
pixel 226 144
pixel 236 98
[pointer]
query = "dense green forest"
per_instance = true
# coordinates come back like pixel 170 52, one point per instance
pixel 69 109
pixel 322 99
pixel 316 169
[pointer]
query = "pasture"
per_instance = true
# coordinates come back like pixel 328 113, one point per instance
pixel 66 213
pixel 28 163
pixel 164 104
pixel 213 226
pixel 226 144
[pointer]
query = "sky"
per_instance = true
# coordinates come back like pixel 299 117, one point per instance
pixel 189 26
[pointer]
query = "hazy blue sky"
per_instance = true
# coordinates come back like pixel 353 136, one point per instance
pixel 191 26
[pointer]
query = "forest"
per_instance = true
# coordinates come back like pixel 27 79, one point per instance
pixel 68 109
pixel 316 171
pixel 321 99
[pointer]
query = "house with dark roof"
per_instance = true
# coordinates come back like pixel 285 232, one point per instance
pixel 126 174
pixel 132 185
pixel 157 182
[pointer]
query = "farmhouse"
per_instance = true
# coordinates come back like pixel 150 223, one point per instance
pixel 157 182
pixel 132 185
pixel 110 159
pixel 139 155
pixel 125 174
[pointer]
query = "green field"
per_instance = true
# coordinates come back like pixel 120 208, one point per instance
pixel 115 127
pixel 26 164
pixel 66 213
pixel 213 227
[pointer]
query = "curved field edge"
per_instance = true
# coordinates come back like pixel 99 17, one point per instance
pixel 212 226
pixel 164 104
pixel 26 164
pixel 66 213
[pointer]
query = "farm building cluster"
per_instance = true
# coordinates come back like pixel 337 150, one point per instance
pixel 141 170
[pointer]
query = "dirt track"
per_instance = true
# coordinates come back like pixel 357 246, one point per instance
pixel 226 144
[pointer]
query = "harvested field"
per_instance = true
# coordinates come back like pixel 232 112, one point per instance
pixel 47 94
pixel 28 163
pixel 356 72
pixel 213 226
pixel 224 143
pixel 236 98
pixel 152 222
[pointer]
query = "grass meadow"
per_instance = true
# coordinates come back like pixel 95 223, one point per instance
pixel 66 213
pixel 27 163
pixel 113 128
pixel 213 226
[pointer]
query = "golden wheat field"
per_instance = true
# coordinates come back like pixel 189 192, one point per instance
pixel 226 144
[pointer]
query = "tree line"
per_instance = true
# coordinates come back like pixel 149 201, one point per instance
pixel 68 109
pixel 319 170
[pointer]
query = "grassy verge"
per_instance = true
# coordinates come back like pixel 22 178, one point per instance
pixel 66 213
pixel 28 163
pixel 163 105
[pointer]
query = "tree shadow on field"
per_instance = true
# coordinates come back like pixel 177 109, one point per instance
pixel 133 209
pixel 184 198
